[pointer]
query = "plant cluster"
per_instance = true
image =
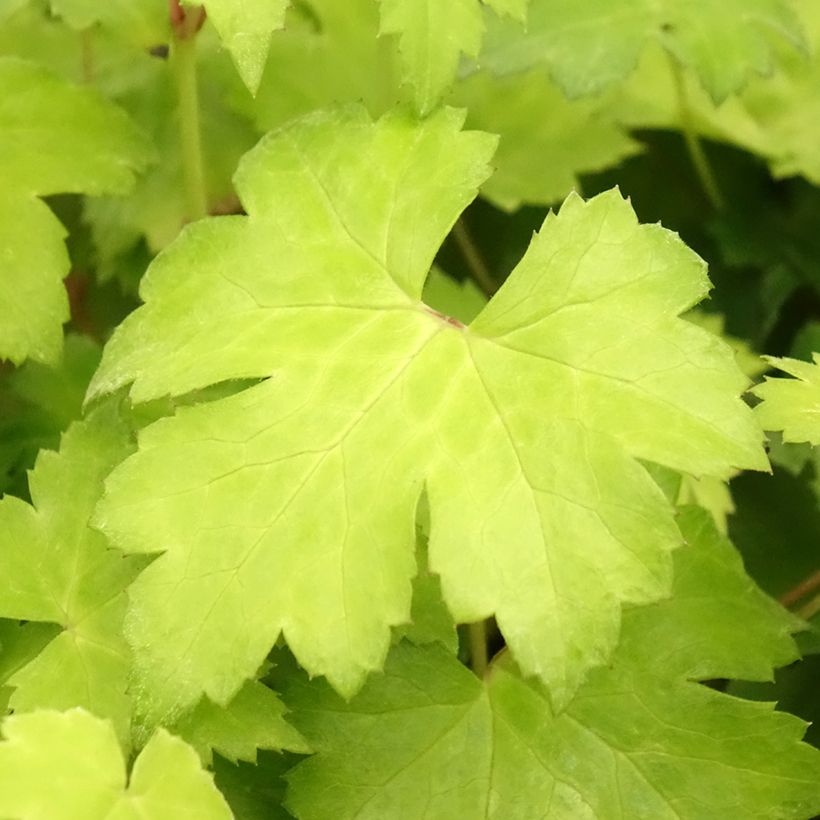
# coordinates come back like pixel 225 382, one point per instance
pixel 373 440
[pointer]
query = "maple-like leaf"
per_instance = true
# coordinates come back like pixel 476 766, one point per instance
pixel 590 46
pixel 434 35
pixel 69 766
pixel 145 22
pixel 792 405
pixel 291 505
pixel 57 570
pixel 54 138
pixel 245 27
pixel 640 739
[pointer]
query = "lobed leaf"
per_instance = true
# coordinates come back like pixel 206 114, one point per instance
pixel 792 405
pixel 53 138
pixel 590 46
pixel 427 739
pixel 525 427
pixel 433 36
pixel 57 570
pixel 68 766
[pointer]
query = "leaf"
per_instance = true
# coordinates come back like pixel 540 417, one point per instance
pixel 432 37
pixel 53 138
pixel 57 570
pixel 792 405
pixel 68 766
pixel 525 427
pixel 535 120
pixel 253 720
pixel 328 53
pixel 245 27
pixel 639 739
pixel 785 104
pixel 590 46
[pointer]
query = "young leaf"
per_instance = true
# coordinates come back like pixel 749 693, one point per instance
pixel 68 766
pixel 432 37
pixel 590 46
pixel 245 27
pixel 53 138
pixel 57 570
pixel 639 739
pixel 525 426
pixel 792 405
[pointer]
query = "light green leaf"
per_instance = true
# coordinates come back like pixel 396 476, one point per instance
pixel 253 720
pixel 525 427
pixel 328 53
pixel 432 38
pixel 792 405
pixel 68 766
pixel 461 300
pixel 245 27
pixel 56 569
pixel 639 740
pixel 590 46
pixel 53 138
pixel 786 105
pixel 546 140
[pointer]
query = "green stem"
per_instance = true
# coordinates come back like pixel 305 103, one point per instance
pixel 693 143
pixel 475 263
pixel 183 61
pixel 478 647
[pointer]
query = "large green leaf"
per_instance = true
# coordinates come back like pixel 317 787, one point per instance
pixel 434 35
pixel 54 138
pixel 592 45
pixel 290 505
pixel 792 405
pixel 639 740
pixel 68 766
pixel 56 569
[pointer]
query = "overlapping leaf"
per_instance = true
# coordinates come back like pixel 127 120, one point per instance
pixel 792 405
pixel 434 35
pixel 57 570
pixel 290 506
pixel 68 766
pixel 639 740
pixel 53 138
pixel 590 46
pixel 246 28
pixel 254 720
